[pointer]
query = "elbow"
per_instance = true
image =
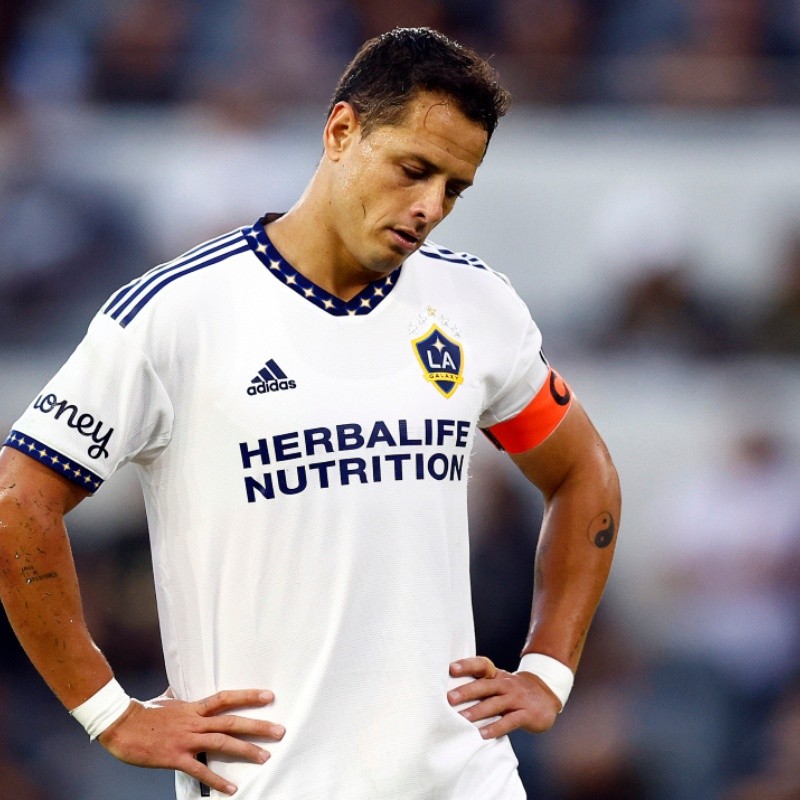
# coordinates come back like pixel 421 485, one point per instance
pixel 605 475
pixel 610 478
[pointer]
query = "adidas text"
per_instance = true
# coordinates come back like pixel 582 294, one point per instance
pixel 271 386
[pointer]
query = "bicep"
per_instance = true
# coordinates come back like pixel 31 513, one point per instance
pixel 573 449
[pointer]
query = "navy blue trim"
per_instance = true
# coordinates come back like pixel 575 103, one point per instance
pixel 185 258
pixel 54 460
pixel 132 298
pixel 119 295
pixel 368 299
pixel 125 321
pixel 443 254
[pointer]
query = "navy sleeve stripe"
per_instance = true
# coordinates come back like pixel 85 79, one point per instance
pixel 119 295
pixel 443 254
pixel 165 278
pixel 432 250
pixel 154 274
pixel 131 299
pixel 122 293
pixel 229 236
pixel 55 461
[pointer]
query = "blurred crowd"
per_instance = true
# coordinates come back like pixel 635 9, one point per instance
pixel 709 709
pixel 251 56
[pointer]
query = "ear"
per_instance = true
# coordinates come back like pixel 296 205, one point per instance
pixel 342 129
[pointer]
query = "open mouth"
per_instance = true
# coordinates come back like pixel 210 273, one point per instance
pixel 408 238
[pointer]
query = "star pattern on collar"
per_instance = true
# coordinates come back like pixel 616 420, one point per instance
pixel 363 303
pixel 54 460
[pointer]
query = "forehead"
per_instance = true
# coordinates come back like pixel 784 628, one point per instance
pixel 434 125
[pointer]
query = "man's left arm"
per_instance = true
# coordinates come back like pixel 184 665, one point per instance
pixel 574 471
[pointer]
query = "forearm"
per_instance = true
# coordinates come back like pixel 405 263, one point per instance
pixel 39 590
pixel 582 505
pixel 573 560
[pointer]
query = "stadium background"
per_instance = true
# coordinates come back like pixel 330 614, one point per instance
pixel 644 198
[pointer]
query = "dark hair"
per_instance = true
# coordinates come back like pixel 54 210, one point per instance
pixel 389 70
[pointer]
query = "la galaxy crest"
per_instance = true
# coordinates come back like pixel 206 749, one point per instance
pixel 440 355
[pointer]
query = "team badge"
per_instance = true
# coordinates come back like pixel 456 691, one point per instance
pixel 441 359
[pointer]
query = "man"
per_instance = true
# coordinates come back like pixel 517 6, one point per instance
pixel 300 397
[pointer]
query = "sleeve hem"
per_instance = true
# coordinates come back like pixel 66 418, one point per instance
pixel 53 459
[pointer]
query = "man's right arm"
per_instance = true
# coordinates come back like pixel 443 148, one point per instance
pixel 40 593
pixel 38 585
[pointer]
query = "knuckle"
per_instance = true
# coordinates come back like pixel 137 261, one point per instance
pixel 196 724
pixel 226 724
pixel 191 766
pixel 216 741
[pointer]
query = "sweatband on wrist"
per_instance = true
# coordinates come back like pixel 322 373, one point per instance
pixel 102 709
pixel 556 676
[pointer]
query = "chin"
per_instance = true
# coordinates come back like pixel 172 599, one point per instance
pixel 384 265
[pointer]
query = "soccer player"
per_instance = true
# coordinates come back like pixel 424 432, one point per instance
pixel 300 397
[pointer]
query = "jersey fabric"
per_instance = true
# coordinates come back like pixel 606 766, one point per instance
pixel 304 464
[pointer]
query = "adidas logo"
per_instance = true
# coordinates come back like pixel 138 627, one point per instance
pixel 270 378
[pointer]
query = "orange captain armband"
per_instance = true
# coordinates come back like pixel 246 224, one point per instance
pixel 537 420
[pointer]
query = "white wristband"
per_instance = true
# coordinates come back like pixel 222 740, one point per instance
pixel 556 676
pixel 102 709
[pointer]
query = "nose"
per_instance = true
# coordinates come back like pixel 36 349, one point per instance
pixel 430 203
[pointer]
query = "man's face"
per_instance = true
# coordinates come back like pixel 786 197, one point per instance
pixel 392 187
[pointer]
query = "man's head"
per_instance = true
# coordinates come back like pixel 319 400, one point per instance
pixel 392 69
pixel 407 129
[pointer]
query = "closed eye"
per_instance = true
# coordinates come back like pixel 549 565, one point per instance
pixel 413 172
pixel 453 190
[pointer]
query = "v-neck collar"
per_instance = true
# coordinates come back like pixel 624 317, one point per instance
pixel 364 302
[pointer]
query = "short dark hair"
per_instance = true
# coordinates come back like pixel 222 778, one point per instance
pixel 389 70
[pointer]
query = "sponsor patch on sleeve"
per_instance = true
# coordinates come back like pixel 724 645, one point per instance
pixel 537 420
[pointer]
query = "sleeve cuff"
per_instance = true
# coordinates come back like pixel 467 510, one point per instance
pixel 54 460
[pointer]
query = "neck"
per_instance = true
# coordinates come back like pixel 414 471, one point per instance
pixel 307 240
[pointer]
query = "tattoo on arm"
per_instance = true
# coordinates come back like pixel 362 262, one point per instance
pixel 601 530
pixel 35 578
pixel 32 575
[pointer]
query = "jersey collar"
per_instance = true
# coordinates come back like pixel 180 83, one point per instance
pixel 365 301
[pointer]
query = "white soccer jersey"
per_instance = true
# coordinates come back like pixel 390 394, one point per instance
pixel 304 464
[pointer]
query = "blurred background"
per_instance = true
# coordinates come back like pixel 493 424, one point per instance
pixel 644 198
